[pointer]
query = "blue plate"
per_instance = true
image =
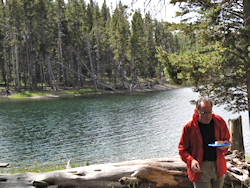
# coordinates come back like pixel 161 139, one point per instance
pixel 219 145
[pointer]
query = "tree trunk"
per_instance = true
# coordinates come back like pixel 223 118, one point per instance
pixel 33 68
pixel 48 72
pixel 17 68
pixel 40 68
pixel 78 67
pixel 115 71
pixel 4 43
pixel 54 85
pixel 43 72
pixel 91 63
pixel 13 62
pixel 12 49
pixel 246 16
pixel 60 58
pixel 97 51
pixel 235 129
pixel 72 64
pixel 27 54
pixel 123 78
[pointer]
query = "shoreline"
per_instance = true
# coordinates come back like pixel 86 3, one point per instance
pixel 157 87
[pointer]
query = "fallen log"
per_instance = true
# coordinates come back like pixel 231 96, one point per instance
pixel 154 173
pixel 161 172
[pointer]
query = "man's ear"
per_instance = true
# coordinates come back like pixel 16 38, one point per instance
pixel 196 112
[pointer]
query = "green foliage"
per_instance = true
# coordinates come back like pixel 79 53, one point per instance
pixel 214 57
pixel 247 158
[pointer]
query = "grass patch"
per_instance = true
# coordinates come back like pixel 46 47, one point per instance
pixel 248 158
pixel 38 168
pixel 46 93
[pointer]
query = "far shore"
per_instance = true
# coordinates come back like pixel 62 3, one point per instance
pixel 157 87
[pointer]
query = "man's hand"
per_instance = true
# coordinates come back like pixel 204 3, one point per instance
pixel 222 142
pixel 195 166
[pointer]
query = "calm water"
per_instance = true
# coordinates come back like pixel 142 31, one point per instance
pixel 99 128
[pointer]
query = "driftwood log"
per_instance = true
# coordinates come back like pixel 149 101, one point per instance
pixel 161 172
pixel 237 169
pixel 152 173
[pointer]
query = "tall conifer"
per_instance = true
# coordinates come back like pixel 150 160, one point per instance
pixel 219 64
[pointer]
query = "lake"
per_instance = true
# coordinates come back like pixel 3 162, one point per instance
pixel 98 128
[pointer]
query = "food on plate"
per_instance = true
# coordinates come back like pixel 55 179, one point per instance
pixel 219 142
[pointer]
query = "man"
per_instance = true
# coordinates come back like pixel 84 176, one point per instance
pixel 206 165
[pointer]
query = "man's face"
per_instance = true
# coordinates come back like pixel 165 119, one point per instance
pixel 205 113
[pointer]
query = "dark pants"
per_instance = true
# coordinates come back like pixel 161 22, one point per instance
pixel 209 177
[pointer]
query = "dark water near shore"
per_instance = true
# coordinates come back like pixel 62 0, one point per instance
pixel 98 128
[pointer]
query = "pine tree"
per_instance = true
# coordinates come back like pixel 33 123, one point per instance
pixel 164 40
pixel 51 44
pixel 106 53
pixel 76 19
pixel 59 15
pixel 219 64
pixel 138 46
pixel 151 60
pixel 120 44
pixel 42 47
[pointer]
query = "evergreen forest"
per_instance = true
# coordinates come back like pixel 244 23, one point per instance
pixel 60 45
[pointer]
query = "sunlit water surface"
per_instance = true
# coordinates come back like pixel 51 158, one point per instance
pixel 98 128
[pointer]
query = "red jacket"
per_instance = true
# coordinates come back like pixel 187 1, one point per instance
pixel 191 145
